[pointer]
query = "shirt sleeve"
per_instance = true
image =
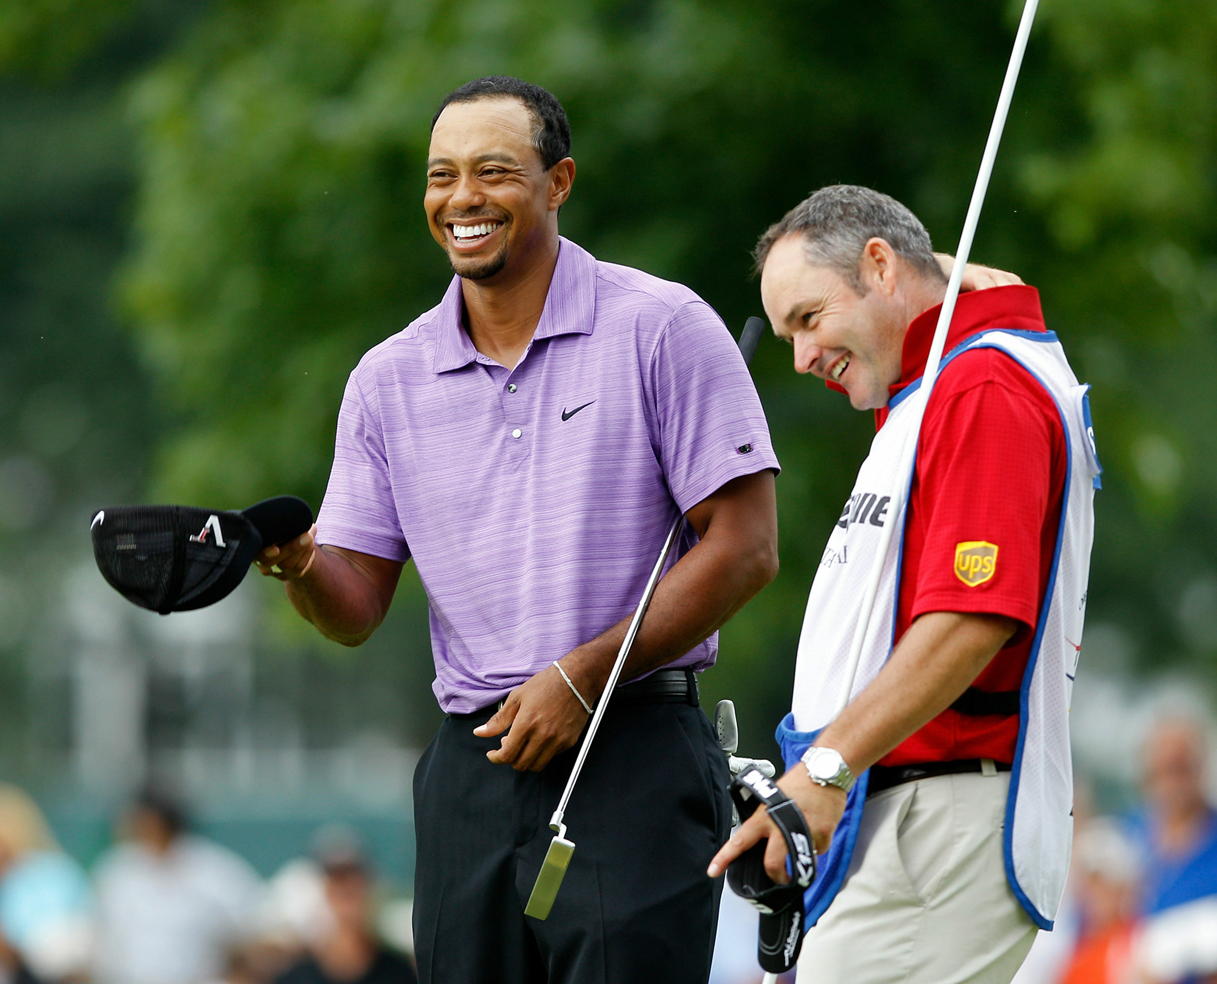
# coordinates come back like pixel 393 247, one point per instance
pixel 711 428
pixel 983 487
pixel 359 511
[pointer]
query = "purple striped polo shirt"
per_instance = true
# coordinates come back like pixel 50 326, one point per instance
pixel 535 500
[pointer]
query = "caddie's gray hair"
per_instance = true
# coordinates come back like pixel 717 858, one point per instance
pixel 836 223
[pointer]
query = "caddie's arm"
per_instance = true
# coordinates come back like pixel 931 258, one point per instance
pixel 344 593
pixel 736 555
pixel 976 276
pixel 934 663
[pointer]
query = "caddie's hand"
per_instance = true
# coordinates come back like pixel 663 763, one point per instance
pixel 976 276
pixel 289 561
pixel 545 718
pixel 822 806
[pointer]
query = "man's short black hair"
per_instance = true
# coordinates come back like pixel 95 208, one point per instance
pixel 550 132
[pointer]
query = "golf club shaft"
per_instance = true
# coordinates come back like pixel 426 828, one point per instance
pixel 618 664
pixel 904 472
pixel 748 340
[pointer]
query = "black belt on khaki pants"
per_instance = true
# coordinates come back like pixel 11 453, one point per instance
pixel 886 776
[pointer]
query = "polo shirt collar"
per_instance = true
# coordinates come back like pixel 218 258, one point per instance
pixel 1015 307
pixel 570 308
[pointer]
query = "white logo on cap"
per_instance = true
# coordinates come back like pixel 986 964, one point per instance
pixel 759 783
pixel 793 935
pixel 803 859
pixel 212 524
pixel 99 518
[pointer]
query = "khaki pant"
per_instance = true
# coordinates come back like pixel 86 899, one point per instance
pixel 926 899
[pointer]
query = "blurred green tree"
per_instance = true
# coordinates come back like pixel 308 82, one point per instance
pixel 279 231
pixel 75 431
pixel 1126 263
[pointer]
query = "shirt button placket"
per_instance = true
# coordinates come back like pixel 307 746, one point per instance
pixel 515 431
pixel 517 444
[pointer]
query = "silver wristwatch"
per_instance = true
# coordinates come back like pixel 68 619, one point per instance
pixel 827 768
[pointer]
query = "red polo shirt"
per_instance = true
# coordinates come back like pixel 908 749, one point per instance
pixel 984 509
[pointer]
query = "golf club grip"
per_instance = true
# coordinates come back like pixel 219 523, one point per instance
pixel 748 340
pixel 750 337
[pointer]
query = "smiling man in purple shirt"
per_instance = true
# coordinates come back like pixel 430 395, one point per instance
pixel 528 442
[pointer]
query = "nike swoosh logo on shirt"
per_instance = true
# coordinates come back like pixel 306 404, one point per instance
pixel 566 415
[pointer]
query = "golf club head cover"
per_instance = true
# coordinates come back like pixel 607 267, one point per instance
pixel 780 906
pixel 178 558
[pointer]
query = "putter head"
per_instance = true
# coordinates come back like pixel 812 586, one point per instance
pixel 549 878
pixel 726 726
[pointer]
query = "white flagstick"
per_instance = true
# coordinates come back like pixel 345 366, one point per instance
pixel 903 473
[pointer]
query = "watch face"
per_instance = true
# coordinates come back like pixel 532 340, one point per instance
pixel 825 765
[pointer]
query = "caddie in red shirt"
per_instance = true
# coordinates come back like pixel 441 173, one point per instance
pixel 939 798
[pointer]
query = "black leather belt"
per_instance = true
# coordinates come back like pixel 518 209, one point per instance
pixel 979 703
pixel 886 776
pixel 661 687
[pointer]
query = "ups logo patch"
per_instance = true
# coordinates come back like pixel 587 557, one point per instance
pixel 975 561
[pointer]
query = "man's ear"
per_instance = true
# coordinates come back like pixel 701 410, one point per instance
pixel 877 267
pixel 561 178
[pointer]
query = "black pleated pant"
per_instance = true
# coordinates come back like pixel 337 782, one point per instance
pixel 649 811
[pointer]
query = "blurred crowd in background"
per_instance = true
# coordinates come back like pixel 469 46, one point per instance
pixel 1141 901
pixel 165 905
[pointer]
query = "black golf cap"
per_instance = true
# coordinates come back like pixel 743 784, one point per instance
pixel 177 558
pixel 781 906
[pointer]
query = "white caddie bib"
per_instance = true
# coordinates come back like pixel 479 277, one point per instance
pixel 1039 826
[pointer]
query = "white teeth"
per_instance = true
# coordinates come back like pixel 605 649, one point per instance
pixel 840 367
pixel 473 232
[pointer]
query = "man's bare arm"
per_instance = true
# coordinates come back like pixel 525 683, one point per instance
pixel 346 594
pixel 975 276
pixel 735 557
pixel 936 661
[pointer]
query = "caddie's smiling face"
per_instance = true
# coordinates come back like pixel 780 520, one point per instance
pixel 490 203
pixel 854 340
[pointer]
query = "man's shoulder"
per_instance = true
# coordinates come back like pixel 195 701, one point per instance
pixel 305 970
pixel 993 368
pixel 121 860
pixel 214 863
pixel 405 350
pixel 625 287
